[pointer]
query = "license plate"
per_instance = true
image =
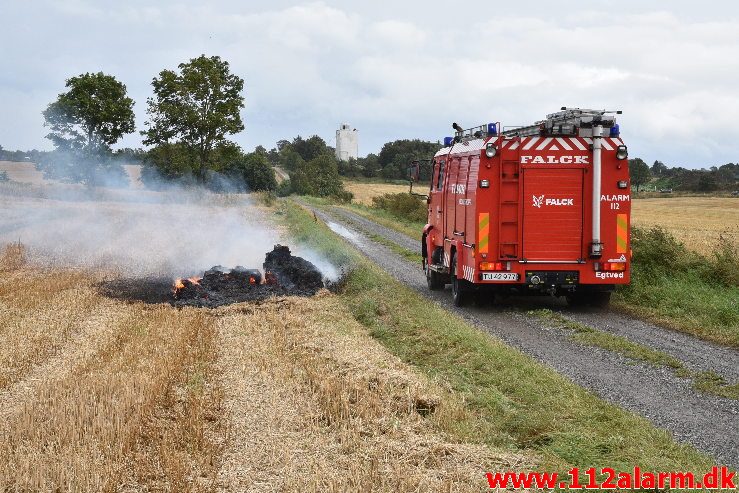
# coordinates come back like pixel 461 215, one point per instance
pixel 499 276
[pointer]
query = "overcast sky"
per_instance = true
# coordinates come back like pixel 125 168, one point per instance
pixel 396 69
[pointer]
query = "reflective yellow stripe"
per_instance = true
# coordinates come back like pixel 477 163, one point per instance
pixel 621 233
pixel 483 231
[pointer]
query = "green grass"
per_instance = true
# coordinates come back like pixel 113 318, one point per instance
pixel 686 303
pixel 621 345
pixel 707 382
pixel 681 289
pixel 515 403
pixel 385 218
pixel 414 257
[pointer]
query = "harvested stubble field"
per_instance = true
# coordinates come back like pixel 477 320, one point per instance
pixel 699 222
pixel 291 394
pixel 364 191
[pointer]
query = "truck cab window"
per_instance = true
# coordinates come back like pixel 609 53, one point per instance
pixel 440 176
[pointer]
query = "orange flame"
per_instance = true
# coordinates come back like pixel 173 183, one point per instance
pixel 179 283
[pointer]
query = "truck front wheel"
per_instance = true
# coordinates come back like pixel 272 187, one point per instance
pixel 434 280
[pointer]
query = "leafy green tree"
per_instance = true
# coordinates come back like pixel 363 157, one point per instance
pixel 197 108
pixel 85 121
pixel 658 168
pixel 639 172
pixel 396 156
pixel 289 159
pixel 708 182
pixel 369 165
pixel 310 148
pixel 92 115
pixel 256 172
pixel 319 177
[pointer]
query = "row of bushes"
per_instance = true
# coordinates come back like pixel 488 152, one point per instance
pixel 657 253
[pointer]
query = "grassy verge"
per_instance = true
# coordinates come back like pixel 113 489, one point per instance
pixel 681 289
pixel 514 402
pixel 389 220
pixel 403 252
pixel 384 218
pixel 707 382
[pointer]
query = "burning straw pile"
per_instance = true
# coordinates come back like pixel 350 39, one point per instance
pixel 284 274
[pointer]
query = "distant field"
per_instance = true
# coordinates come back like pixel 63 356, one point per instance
pixel 696 221
pixel 27 173
pixel 22 172
pixel 363 192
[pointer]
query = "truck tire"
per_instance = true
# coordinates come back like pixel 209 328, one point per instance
pixel 597 299
pixel 460 290
pixel 434 280
pixel 600 299
pixel 484 297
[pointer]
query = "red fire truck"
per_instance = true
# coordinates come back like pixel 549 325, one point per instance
pixel 537 209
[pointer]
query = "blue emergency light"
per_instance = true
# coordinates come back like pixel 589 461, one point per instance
pixel 492 130
pixel 448 141
pixel 615 131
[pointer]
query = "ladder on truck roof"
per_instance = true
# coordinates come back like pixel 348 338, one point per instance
pixel 568 121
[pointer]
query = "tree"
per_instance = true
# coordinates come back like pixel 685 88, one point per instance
pixel 92 115
pixel 658 168
pixel 707 182
pixel 396 156
pixel 370 165
pixel 256 172
pixel 310 148
pixel 289 159
pixel 639 172
pixel 318 177
pixel 197 108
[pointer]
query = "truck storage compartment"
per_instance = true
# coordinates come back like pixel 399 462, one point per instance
pixel 552 214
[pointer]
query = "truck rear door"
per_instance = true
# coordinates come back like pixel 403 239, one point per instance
pixel 552 214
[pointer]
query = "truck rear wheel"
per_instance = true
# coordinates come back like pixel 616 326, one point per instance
pixel 484 297
pixel 597 299
pixel 600 299
pixel 434 280
pixel 460 290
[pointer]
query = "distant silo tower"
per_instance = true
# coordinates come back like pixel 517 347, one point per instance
pixel 346 143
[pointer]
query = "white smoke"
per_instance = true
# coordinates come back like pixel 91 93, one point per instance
pixel 176 232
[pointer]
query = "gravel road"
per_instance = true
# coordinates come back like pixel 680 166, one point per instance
pixel 707 422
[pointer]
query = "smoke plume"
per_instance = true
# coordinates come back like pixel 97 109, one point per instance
pixel 171 232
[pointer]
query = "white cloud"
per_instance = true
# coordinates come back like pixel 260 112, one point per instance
pixel 399 69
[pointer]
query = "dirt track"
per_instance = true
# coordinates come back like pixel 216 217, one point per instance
pixel 709 423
